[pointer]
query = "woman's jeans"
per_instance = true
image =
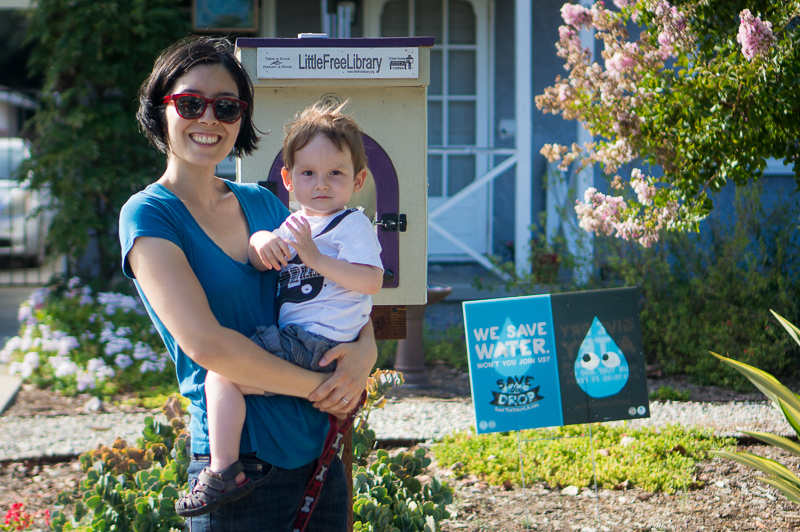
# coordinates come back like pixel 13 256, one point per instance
pixel 276 499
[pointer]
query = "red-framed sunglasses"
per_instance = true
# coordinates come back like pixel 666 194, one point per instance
pixel 192 107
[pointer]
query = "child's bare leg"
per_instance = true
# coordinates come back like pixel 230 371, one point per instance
pixel 226 412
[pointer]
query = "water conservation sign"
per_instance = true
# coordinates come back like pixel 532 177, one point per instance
pixel 552 360
pixel 338 63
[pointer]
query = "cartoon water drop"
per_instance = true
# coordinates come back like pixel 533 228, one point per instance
pixel 601 368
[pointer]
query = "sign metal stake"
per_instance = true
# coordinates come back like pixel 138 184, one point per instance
pixel 520 441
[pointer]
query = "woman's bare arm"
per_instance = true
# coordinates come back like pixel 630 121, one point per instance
pixel 177 297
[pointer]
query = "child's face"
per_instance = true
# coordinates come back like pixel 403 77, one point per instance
pixel 323 177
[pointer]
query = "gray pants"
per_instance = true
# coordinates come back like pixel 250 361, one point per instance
pixel 296 345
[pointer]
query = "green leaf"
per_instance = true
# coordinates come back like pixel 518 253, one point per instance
pixel 776 440
pixel 791 491
pixel 93 502
pixel 770 467
pixel 769 385
pixel 793 330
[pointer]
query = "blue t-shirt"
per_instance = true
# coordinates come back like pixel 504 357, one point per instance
pixel 284 431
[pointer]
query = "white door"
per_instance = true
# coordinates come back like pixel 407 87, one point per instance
pixel 458 111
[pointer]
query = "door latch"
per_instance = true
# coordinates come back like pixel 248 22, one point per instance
pixel 393 222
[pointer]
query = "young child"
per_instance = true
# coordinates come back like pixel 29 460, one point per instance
pixel 325 287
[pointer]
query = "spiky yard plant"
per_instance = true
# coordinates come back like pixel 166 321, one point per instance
pixel 778 476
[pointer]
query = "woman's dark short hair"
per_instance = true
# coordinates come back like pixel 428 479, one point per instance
pixel 176 61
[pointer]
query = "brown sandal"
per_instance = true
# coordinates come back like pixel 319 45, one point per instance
pixel 213 490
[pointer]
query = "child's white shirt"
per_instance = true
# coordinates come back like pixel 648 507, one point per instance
pixel 320 305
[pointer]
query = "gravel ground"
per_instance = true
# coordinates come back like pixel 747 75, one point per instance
pixel 403 420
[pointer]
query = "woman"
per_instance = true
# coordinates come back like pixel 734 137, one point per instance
pixel 184 242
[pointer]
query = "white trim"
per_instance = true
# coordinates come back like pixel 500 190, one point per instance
pixel 583 180
pixel 524 137
pixel 477 257
pixel 469 189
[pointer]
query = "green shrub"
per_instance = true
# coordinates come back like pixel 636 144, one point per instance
pixel 387 352
pixel 439 345
pixel 709 291
pixel 89 153
pixel 446 345
pixel 388 496
pixel 667 393
pixel 75 340
pixel 652 460
pixel 131 488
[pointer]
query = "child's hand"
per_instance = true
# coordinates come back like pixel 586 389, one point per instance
pixel 304 244
pixel 268 250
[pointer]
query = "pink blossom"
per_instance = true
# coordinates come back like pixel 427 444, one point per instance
pixel 620 62
pixel 754 35
pixel 667 42
pixel 622 4
pixel 576 15
pixel 569 37
pixel 645 192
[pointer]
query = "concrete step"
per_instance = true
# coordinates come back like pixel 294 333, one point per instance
pixel 9 386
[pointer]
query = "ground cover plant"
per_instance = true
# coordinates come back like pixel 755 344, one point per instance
pixel 76 340
pixel 652 460
pixel 129 488
pixel 392 492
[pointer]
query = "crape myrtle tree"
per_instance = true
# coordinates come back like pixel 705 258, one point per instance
pixel 88 151
pixel 703 91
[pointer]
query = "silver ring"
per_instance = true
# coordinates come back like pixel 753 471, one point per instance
pixel 345 400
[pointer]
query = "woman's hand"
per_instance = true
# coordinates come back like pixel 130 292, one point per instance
pixel 354 364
